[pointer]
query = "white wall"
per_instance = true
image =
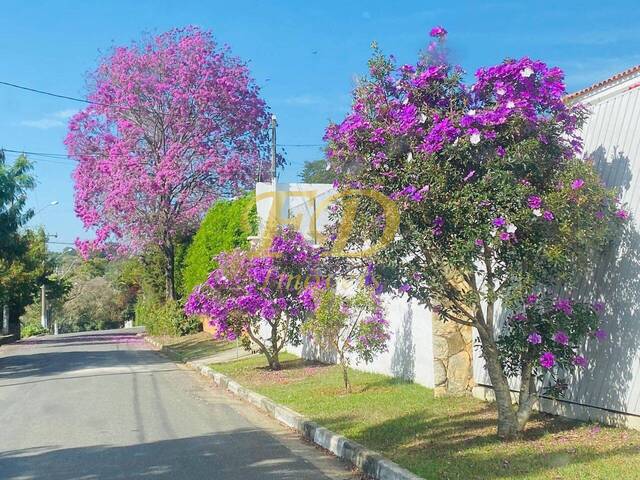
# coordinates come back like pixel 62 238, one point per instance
pixel 410 354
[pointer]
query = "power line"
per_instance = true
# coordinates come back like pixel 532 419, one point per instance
pixel 77 99
pixel 300 145
pixel 43 154
pixel 50 94
pixel 58 159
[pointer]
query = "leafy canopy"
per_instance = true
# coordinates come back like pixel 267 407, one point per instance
pixel 225 227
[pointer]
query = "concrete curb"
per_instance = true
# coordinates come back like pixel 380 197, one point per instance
pixel 368 461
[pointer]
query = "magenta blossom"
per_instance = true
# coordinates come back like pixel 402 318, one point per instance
pixel 600 334
pixel 548 216
pixel 622 214
pixel 598 307
pixel 577 184
pixel 532 299
pixel 438 223
pixel 547 360
pixel 438 32
pixel 505 236
pixel 499 222
pixel 534 202
pixel 561 337
pixel 563 305
pixel 580 361
pixel 534 338
pixel 519 317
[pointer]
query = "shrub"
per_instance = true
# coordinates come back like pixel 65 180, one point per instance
pixel 265 298
pixel 225 227
pixel 165 318
pixel 32 329
pixel 353 326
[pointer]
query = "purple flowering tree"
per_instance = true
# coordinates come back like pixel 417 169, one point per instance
pixel 173 123
pixel 261 299
pixel 353 326
pixel 495 206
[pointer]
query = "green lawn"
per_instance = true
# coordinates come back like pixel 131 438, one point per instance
pixel 196 346
pixel 446 438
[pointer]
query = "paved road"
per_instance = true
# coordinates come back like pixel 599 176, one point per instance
pixel 102 405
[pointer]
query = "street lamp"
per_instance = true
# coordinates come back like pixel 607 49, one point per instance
pixel 52 204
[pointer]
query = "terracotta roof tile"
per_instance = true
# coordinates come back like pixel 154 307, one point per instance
pixel 603 83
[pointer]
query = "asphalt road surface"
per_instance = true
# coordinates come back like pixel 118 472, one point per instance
pixel 103 405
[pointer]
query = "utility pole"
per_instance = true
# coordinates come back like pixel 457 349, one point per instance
pixel 43 302
pixel 274 178
pixel 5 320
pixel 274 124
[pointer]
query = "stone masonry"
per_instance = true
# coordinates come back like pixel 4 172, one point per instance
pixel 452 357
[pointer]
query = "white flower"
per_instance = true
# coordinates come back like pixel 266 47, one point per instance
pixel 475 139
pixel 455 142
pixel 405 101
pixel 471 112
pixel 511 228
pixel 501 91
pixel 410 157
pixel 537 212
pixel 328 167
pixel 510 104
pixel 423 118
pixel 493 233
pixel 526 72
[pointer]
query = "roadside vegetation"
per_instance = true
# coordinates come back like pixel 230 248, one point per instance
pixel 440 438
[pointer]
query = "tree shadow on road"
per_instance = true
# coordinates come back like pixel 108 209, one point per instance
pixel 243 454
pixel 79 360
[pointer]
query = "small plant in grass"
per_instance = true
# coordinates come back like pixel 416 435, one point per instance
pixel 353 326
pixel 262 298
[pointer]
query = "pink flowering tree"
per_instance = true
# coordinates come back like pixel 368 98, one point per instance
pixel 174 123
pixel 352 326
pixel 497 211
pixel 261 299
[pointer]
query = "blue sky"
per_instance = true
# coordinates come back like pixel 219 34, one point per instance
pixel 304 55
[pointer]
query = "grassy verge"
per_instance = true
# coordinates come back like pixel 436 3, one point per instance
pixel 446 438
pixel 194 347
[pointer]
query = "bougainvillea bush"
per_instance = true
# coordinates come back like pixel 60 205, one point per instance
pixel 262 299
pixel 173 123
pixel 354 326
pixel 496 206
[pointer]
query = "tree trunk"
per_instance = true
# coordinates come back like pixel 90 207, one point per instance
pixel 508 427
pixel 274 364
pixel 275 348
pixel 528 395
pixel 169 272
pixel 345 374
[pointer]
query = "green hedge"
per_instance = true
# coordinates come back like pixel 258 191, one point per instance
pixel 165 318
pixel 225 227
